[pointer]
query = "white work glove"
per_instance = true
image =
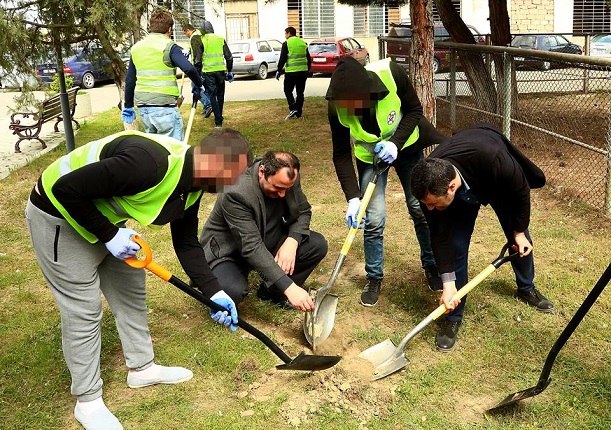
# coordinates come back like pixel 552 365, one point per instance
pixel 121 245
pixel 386 151
pixel 228 318
pixel 353 212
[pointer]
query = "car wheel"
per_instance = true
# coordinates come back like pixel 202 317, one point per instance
pixel 367 59
pixel 435 65
pixel 546 65
pixel 262 72
pixel 88 81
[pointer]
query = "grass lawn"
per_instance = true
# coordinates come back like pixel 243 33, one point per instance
pixel 501 347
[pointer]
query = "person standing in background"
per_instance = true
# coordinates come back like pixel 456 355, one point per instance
pixel 217 66
pixel 296 57
pixel 151 79
pixel 196 51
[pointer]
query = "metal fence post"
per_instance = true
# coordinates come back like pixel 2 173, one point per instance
pixel 608 175
pixel 506 95
pixel 381 50
pixel 453 89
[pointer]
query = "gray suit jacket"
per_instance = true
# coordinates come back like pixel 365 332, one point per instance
pixel 236 225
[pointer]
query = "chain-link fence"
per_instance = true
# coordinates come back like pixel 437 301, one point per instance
pixel 556 108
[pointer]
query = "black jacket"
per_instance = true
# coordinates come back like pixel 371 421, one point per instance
pixel 497 173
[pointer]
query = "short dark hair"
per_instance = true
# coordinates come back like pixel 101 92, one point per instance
pixel 431 176
pixel 188 27
pixel 291 30
pixel 161 21
pixel 273 161
pixel 228 142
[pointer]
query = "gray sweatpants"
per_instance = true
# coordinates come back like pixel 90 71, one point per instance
pixel 76 271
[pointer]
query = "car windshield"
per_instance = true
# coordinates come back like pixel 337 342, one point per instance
pixel 524 41
pixel 319 48
pixel 238 48
pixel 602 38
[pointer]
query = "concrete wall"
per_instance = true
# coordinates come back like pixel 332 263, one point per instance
pixel 532 16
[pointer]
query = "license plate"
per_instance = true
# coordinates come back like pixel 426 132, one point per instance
pixel 400 59
pixel 49 71
pixel 519 59
pixel 319 60
pixel 237 59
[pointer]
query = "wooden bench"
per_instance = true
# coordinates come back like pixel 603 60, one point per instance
pixel 27 125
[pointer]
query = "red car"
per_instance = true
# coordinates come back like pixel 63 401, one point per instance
pixel 327 52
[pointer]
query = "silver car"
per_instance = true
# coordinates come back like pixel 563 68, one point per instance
pixel 600 46
pixel 255 56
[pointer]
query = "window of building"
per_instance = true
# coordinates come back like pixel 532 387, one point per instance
pixel 591 17
pixel 373 20
pixel 318 18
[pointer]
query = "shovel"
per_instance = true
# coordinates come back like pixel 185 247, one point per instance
pixel 388 358
pixel 317 324
pixel 190 123
pixel 301 362
pixel 181 98
pixel 544 379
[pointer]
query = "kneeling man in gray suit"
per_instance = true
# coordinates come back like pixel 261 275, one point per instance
pixel 262 223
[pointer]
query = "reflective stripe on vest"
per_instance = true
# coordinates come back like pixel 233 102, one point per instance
pixel 143 207
pixel 297 61
pixel 388 116
pixel 213 60
pixel 155 74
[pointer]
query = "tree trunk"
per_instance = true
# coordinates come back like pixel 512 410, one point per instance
pixel 480 82
pixel 501 36
pixel 421 64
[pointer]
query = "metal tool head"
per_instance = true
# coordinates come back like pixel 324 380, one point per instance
pixel 520 395
pixel 384 358
pixel 318 324
pixel 310 362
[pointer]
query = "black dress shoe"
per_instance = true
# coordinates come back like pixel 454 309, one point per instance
pixel 446 336
pixel 269 295
pixel 536 299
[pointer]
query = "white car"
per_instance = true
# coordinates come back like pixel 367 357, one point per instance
pixel 600 46
pixel 16 80
pixel 257 57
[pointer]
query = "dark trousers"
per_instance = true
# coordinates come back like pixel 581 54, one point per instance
pixel 464 215
pixel 214 82
pixel 295 81
pixel 233 273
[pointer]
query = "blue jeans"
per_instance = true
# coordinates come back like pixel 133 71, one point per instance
pixel 162 120
pixel 375 214
pixel 215 87
pixel 463 216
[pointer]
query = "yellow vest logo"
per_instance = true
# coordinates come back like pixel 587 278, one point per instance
pixel 392 116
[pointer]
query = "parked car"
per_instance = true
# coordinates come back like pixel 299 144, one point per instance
pixel 328 51
pixel 86 68
pixel 257 57
pixel 399 52
pixel 17 80
pixel 600 46
pixel 542 42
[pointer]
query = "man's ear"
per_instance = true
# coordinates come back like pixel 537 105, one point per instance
pixel 453 186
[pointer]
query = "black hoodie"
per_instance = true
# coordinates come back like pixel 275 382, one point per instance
pixel 351 80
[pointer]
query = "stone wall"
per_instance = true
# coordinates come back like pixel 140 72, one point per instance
pixel 532 16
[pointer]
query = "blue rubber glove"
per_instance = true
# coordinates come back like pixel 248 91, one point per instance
pixel 128 115
pixel 228 318
pixel 386 151
pixel 229 77
pixel 198 92
pixel 278 76
pixel 121 245
pixel 353 212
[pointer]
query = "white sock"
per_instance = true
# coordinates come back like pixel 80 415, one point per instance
pixel 149 372
pixel 87 408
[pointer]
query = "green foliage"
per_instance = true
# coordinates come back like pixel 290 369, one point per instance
pixel 54 85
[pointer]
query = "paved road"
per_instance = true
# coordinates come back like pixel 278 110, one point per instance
pixel 106 97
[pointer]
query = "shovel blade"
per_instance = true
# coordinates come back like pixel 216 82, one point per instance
pixel 310 362
pixel 179 101
pixel 520 395
pixel 385 359
pixel 324 319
